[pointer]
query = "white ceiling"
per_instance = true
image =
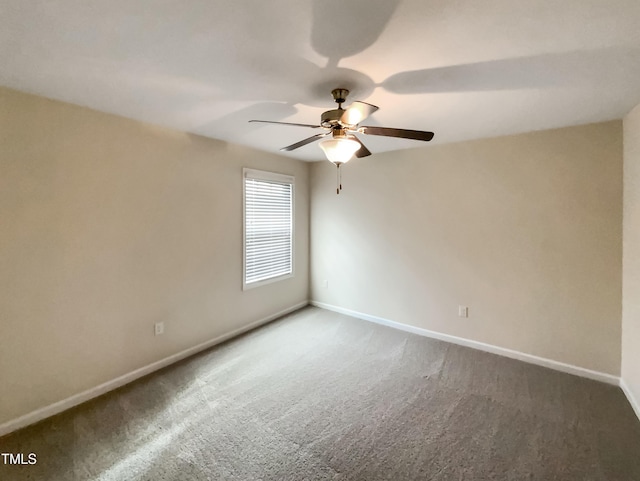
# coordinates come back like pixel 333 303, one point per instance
pixel 462 68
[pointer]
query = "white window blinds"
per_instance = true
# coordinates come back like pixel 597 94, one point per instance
pixel 268 227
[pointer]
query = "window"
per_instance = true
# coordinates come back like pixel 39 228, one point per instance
pixel 268 227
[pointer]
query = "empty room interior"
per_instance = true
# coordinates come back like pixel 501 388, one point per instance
pixel 304 240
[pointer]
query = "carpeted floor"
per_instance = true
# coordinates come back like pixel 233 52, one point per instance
pixel 321 396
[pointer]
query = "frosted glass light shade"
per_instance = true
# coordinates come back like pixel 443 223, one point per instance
pixel 339 151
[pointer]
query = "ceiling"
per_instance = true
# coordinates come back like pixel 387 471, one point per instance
pixel 462 68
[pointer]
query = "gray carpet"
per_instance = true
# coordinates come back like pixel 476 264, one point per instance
pixel 320 396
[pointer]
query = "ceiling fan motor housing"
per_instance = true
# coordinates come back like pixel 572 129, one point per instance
pixel 330 118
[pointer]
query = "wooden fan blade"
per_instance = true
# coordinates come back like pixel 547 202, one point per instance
pixel 286 123
pixel 362 151
pixel 357 112
pixel 297 145
pixel 402 133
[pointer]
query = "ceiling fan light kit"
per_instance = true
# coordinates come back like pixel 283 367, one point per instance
pixel 342 125
pixel 339 150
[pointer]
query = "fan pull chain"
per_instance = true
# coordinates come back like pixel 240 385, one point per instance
pixel 338 179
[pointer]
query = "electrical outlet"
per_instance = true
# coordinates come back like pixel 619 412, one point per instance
pixel 159 328
pixel 325 284
pixel 463 311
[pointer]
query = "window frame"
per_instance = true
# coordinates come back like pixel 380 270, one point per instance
pixel 248 173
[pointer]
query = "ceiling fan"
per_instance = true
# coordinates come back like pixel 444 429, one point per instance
pixel 342 125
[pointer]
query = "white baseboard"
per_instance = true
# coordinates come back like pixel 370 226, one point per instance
pixel 630 397
pixel 501 351
pixel 58 407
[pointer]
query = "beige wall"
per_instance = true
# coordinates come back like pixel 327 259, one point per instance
pixel 631 256
pixel 108 226
pixel 526 230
